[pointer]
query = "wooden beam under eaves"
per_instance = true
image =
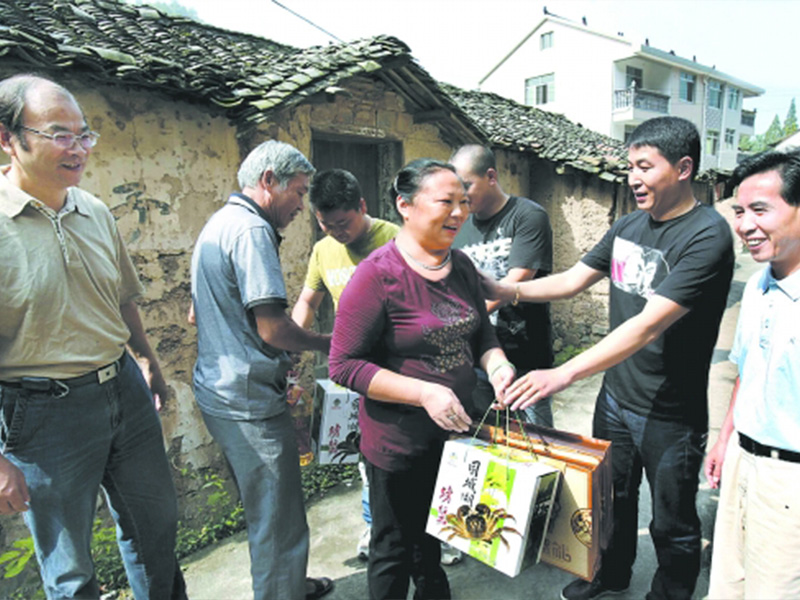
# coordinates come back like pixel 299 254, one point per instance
pixel 430 116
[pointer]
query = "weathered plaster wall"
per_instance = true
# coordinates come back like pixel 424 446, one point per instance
pixel 581 209
pixel 163 167
pixel 514 170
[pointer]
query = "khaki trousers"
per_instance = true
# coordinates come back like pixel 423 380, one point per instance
pixel 756 551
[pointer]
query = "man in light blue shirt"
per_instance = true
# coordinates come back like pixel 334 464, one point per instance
pixel 756 546
pixel 243 336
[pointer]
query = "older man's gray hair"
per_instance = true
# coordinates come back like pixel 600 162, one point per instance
pixel 283 160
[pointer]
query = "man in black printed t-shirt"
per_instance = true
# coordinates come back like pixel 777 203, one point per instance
pixel 670 265
pixel 509 238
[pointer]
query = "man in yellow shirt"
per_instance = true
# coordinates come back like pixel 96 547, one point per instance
pixel 351 234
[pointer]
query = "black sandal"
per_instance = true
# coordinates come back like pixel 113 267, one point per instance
pixel 322 585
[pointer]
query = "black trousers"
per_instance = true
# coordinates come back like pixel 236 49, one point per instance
pixel 400 550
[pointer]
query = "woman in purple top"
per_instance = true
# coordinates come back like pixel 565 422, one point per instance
pixel 410 326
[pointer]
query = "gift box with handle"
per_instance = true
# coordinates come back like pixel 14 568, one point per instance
pixel 492 502
pixel 580 527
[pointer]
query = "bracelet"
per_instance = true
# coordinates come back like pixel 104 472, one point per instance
pixel 516 295
pixel 505 363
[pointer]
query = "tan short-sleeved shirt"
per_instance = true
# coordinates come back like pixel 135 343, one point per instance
pixel 64 276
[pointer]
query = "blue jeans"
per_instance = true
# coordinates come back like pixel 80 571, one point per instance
pixel 366 514
pixel 263 456
pixel 540 413
pixel 97 435
pixel 671 454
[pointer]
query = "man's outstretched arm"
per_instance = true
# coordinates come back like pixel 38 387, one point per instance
pixel 279 331
pixel 631 336
pixel 545 289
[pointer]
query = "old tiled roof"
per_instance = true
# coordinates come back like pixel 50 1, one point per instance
pixel 247 76
pixel 548 135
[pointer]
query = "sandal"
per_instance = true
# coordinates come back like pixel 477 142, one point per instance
pixel 320 585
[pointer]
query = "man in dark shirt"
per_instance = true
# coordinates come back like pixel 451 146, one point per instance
pixel 510 238
pixel 670 265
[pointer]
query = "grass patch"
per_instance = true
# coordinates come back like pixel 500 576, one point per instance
pixel 566 353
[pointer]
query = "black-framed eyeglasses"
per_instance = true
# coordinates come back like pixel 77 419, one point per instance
pixel 66 139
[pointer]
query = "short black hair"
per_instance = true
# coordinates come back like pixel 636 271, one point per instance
pixel 673 137
pixel 479 158
pixel 787 164
pixel 335 189
pixel 409 179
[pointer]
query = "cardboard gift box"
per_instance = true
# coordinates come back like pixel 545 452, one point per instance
pixel 492 503
pixel 582 520
pixel 338 423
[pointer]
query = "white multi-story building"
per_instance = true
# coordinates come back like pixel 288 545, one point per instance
pixel 610 84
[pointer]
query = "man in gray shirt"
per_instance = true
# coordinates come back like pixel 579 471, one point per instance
pixel 243 335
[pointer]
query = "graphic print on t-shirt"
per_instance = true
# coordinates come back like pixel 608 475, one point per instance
pixel 491 257
pixel 637 269
pixel 339 276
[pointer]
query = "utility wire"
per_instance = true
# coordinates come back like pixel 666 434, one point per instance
pixel 310 22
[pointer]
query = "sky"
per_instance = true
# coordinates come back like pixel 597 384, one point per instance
pixel 459 41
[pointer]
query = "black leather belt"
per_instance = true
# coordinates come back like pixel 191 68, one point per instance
pixel 758 449
pixel 45 384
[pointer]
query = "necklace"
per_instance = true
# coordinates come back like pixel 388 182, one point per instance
pixel 438 267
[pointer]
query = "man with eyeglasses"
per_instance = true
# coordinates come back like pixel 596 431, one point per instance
pixel 76 412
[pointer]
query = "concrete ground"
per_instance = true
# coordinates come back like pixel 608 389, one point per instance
pixel 221 572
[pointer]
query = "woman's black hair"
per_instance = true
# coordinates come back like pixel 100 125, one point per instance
pixel 409 179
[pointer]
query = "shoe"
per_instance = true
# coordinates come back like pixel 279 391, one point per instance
pixel 588 590
pixel 319 587
pixel 362 548
pixel 450 555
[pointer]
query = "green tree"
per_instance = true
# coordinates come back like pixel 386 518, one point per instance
pixel 790 123
pixel 774 134
pixel 752 143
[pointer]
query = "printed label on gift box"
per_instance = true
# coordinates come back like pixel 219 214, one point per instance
pixel 338 423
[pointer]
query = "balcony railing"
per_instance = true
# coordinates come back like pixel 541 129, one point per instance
pixel 642 99
pixel 748 118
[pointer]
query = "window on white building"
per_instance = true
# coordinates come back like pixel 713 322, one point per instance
pixel 633 75
pixel 712 142
pixel 730 139
pixel 687 86
pixel 715 94
pixel 734 96
pixel 546 40
pixel 540 90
